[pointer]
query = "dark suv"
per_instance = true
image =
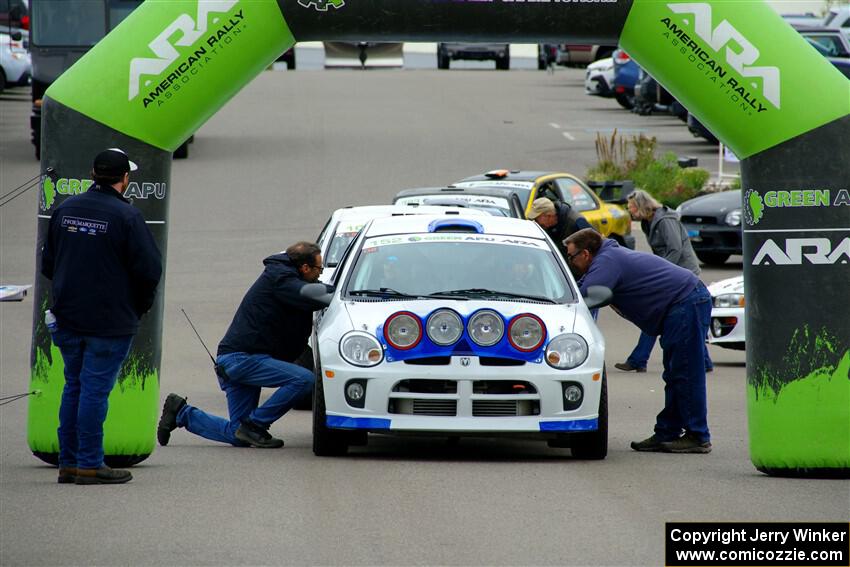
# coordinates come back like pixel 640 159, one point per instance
pixel 500 52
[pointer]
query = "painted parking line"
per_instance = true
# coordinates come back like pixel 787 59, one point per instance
pixel 555 126
pixel 569 136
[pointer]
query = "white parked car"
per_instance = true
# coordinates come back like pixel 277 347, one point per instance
pixel 15 62
pixel 344 224
pixel 599 78
pixel 727 313
pixel 458 326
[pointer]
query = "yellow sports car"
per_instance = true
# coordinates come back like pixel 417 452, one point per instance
pixel 609 218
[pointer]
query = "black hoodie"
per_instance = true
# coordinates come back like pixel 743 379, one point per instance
pixel 273 318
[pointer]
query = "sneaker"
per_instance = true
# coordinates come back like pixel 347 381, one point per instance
pixel 103 475
pixel 653 444
pixel 626 367
pixel 168 422
pixel 67 475
pixel 257 436
pixel 687 443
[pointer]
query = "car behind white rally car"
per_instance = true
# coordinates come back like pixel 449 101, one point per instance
pixel 727 313
pixel 457 326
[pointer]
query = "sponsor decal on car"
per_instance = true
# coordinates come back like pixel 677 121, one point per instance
pixel 378 241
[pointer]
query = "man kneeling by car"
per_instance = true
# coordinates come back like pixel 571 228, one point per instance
pixel 661 299
pixel 268 334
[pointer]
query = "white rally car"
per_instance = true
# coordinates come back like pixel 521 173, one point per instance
pixel 458 326
pixel 727 313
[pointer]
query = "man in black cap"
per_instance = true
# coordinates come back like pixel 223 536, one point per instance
pixel 105 268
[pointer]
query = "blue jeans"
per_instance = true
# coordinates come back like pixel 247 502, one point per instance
pixel 247 374
pixel 683 341
pixel 91 368
pixel 640 355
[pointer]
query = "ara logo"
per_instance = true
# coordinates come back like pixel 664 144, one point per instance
pixel 189 31
pixel 322 5
pixel 740 54
pixel 817 251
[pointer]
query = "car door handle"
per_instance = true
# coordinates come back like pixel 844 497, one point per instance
pixel 604 221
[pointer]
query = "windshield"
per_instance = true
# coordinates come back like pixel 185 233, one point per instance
pixel 462 265
pixel 76 23
pixel 340 242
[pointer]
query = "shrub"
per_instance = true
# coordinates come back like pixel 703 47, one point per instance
pixel 635 159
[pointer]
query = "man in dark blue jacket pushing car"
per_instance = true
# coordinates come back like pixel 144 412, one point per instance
pixel 661 299
pixel 268 334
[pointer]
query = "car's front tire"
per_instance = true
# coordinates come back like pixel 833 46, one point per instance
pixel 713 258
pixel 503 63
pixel 626 101
pixel 594 445
pixel 326 442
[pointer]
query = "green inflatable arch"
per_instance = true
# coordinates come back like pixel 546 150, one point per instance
pixel 737 66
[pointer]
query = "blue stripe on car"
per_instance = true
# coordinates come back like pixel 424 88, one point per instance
pixel 572 425
pixel 343 422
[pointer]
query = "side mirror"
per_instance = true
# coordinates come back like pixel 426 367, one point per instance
pixel 317 292
pixel 598 296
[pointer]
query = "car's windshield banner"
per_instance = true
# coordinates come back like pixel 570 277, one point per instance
pixel 496 183
pixel 380 241
pixel 471 199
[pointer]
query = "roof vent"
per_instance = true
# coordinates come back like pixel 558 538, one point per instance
pixel 455 225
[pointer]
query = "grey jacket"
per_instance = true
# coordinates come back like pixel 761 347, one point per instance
pixel 669 239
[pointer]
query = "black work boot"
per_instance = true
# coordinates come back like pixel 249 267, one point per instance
pixel 103 475
pixel 257 436
pixel 168 421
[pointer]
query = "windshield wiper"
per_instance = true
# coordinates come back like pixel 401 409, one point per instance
pixel 382 292
pixel 484 292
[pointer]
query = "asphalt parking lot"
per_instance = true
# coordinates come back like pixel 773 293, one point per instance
pixel 268 170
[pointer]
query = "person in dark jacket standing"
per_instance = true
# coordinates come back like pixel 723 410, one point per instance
pixel 105 269
pixel 669 240
pixel 558 220
pixel 268 334
pixel 661 299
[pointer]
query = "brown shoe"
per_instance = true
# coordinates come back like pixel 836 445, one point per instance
pixel 688 443
pixel 103 475
pixel 67 475
pixel 626 367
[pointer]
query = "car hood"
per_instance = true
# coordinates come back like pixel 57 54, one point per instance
pixel 713 204
pixel 369 316
pixel 730 285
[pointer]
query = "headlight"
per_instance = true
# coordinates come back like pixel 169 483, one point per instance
pixel 444 327
pixel 526 332
pixel 403 330
pixel 360 349
pixel 486 328
pixel 566 351
pixel 729 300
pixel 733 218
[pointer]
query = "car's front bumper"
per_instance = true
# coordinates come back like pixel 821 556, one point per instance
pixel 715 238
pixel 460 405
pixel 727 328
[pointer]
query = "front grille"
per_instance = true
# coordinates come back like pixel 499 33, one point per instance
pixel 493 387
pixel 444 408
pixel 426 386
pixel 504 408
pixel 699 219
pixel 496 361
pixel 430 361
